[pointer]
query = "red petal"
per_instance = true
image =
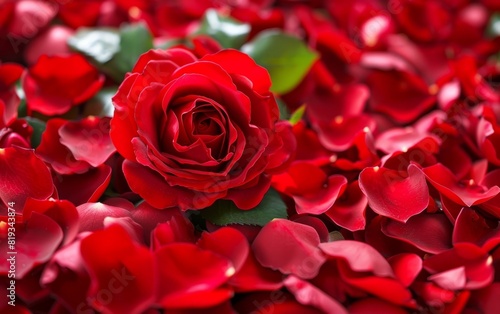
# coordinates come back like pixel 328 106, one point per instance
pixel 88 140
pixel 473 227
pixel 406 267
pixel 359 256
pixel 349 209
pixel 319 201
pixel 65 276
pixel 464 194
pixel 180 276
pixel 53 152
pixel 436 239
pixel 18 182
pixel 294 249
pixel 85 187
pixel 176 229
pixel 236 62
pixel 36 242
pixel 164 195
pixel 92 215
pixel 478 269
pixel 149 218
pixel 388 192
pixel 307 294
pixel 121 271
pixel 227 242
pixel 374 306
pixel 252 276
pixel 62 212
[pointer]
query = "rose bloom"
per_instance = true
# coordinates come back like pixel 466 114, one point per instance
pixel 196 130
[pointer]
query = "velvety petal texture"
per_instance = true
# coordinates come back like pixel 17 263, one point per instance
pixel 202 129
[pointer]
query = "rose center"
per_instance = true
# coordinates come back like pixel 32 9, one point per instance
pixel 204 125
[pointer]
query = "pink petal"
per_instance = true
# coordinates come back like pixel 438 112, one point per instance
pixel 360 257
pixel 92 215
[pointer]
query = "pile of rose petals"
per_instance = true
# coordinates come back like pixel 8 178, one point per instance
pixel 165 157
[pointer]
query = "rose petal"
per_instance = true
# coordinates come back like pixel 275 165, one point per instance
pixel 436 239
pixel 121 267
pixel 388 192
pixel 18 182
pixel 227 242
pixel 294 249
pixel 180 277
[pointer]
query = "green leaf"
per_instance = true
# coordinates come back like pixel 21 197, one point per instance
pixel 113 51
pixel 287 58
pixel 224 212
pixel 135 40
pixel 229 32
pixel 297 114
pixel 284 112
pixel 98 44
pixel 38 129
pixel 493 29
pixel 101 105
pixel 22 110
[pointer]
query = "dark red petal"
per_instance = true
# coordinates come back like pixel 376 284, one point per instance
pixel 307 294
pixel 293 250
pixel 18 182
pixel 149 217
pixel 121 268
pixel 388 192
pixel 374 306
pixel 279 302
pixel 473 227
pixel 85 187
pixel 401 95
pixel 436 239
pixel 240 196
pixel 177 229
pixel 227 242
pixel 163 195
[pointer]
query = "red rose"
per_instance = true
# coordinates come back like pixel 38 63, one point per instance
pixel 197 130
